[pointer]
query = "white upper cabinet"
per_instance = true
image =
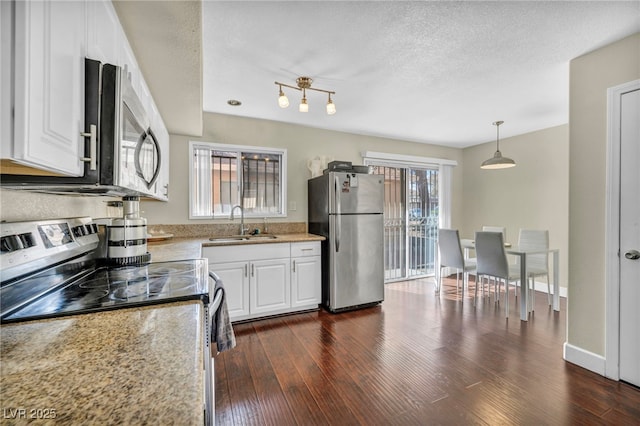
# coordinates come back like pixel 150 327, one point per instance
pixel 105 35
pixel 50 47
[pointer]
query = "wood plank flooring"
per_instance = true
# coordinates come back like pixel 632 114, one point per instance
pixel 417 359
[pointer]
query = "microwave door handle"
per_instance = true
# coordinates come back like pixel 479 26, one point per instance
pixel 139 172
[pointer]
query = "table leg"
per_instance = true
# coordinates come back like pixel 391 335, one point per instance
pixel 524 307
pixel 556 281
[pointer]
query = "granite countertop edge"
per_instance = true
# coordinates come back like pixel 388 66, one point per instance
pixel 180 248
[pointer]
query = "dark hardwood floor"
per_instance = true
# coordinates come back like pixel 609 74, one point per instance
pixel 417 359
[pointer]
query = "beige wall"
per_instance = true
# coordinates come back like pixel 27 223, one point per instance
pixel 302 143
pixel 532 195
pixel 590 77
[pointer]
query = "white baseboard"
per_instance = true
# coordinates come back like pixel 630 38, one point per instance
pixel 542 287
pixel 583 358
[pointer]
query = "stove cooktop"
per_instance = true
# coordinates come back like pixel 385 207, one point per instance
pixel 104 288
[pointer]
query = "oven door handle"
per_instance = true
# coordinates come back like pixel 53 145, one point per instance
pixel 217 298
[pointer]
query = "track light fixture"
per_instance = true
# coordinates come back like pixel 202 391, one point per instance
pixel 304 84
pixel 498 161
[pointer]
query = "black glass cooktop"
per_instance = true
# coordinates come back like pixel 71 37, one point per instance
pixel 104 288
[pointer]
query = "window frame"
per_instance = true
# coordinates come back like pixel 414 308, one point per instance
pixel 214 146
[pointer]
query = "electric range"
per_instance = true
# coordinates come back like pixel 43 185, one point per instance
pixel 50 269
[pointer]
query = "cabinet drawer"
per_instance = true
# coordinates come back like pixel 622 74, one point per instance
pixel 311 248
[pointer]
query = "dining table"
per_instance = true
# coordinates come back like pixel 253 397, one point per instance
pixel 468 244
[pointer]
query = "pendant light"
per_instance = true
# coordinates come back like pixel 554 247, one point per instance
pixel 498 161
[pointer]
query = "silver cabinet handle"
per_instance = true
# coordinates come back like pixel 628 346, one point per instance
pixel 246 269
pixel 294 266
pixel 253 270
pixel 632 255
pixel 93 147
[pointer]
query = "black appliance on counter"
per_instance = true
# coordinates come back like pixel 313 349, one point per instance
pixel 49 269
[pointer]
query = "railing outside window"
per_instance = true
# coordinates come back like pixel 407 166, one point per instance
pixel 223 176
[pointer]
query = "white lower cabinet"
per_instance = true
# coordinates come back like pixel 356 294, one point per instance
pixel 267 279
pixel 306 274
pixel 269 286
pixel 235 278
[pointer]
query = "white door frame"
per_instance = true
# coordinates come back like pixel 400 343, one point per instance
pixel 612 231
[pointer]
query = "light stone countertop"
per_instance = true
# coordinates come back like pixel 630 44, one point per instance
pixel 191 247
pixel 127 366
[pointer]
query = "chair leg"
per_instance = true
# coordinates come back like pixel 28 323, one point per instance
pixel 549 297
pixel 506 297
pixel 475 291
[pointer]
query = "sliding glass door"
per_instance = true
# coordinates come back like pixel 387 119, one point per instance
pixel 410 221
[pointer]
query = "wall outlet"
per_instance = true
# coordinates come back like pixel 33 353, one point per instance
pixel 293 206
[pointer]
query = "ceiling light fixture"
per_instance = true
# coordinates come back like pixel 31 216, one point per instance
pixel 498 161
pixel 304 84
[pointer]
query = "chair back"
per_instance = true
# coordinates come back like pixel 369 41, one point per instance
pixel 534 239
pixel 490 254
pixel 450 249
pixel 496 229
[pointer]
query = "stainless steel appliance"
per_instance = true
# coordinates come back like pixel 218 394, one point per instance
pixel 347 208
pixel 124 239
pixel 49 269
pixel 122 153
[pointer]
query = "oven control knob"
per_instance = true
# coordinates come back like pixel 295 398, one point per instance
pixel 11 243
pixel 27 240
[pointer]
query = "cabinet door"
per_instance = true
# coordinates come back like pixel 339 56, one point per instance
pixel 270 284
pixel 105 35
pixel 234 276
pixel 49 85
pixel 306 283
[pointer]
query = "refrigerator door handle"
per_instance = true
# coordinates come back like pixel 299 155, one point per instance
pixel 338 220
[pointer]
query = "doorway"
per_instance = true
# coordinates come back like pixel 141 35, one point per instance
pixel 411 217
pixel 622 360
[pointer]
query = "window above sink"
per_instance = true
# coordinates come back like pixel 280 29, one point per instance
pixel 223 176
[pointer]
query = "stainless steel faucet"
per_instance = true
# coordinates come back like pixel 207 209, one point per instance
pixel 242 228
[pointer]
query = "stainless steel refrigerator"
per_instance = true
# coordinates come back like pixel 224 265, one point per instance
pixel 347 209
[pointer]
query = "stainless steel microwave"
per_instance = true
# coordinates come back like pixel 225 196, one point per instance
pixel 126 156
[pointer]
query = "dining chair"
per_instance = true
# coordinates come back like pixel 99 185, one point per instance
pixel 492 262
pixel 450 255
pixel 537 264
pixel 496 229
pixel 504 237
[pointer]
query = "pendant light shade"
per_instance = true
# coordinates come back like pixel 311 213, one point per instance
pixel 498 161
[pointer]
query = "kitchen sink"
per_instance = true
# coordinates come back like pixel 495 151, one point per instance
pixel 229 239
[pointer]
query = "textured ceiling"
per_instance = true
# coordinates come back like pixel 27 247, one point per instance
pixel 433 71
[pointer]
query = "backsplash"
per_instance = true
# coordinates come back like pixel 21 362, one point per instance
pixel 213 230
pixel 26 205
